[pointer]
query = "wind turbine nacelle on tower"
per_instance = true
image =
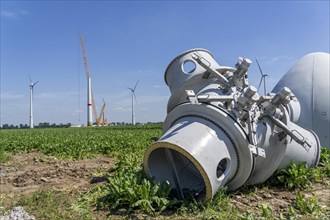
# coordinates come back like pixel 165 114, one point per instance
pixel 309 80
pixel 220 132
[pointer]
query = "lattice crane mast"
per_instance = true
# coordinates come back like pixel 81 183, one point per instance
pixel 90 97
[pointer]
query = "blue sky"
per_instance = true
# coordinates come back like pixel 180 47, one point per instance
pixel 128 41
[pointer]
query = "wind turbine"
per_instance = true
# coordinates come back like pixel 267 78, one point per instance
pixel 90 97
pixel 31 99
pixel 133 98
pixel 263 78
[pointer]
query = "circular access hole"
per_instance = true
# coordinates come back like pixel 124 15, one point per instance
pixel 222 166
pixel 188 66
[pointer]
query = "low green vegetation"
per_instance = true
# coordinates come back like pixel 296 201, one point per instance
pixel 78 143
pixel 307 205
pixel 3 155
pixel 49 204
pixel 300 175
pixel 295 176
pixel 324 164
pixel 218 208
pixel 129 189
pixel 129 193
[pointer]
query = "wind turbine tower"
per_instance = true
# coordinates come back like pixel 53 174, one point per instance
pixel 133 98
pixel 263 78
pixel 89 84
pixel 31 99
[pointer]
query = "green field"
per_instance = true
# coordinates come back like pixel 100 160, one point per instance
pixel 79 143
pixel 129 194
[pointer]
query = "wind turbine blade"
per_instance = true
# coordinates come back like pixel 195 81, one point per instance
pixel 30 78
pixel 262 74
pixel 35 83
pixel 136 85
pixel 130 89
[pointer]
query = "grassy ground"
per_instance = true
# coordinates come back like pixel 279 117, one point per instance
pixel 96 174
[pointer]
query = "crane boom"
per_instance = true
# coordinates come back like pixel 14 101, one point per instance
pixel 90 98
pixel 102 111
pixel 97 118
pixel 94 108
pixel 84 54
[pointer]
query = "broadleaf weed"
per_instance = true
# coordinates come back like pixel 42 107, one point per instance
pixel 308 205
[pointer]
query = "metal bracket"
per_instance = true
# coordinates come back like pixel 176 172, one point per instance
pixel 207 66
pixel 215 98
pixel 192 97
pixel 253 136
pixel 257 151
pixel 294 134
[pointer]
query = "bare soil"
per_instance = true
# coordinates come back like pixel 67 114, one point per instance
pixel 279 199
pixel 29 172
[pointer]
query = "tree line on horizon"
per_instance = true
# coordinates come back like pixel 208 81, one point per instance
pixel 66 125
pixel 40 125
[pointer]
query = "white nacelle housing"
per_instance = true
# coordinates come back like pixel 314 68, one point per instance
pixel 309 80
pixel 220 132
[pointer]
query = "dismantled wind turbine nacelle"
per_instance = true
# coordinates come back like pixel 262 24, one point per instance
pixel 220 132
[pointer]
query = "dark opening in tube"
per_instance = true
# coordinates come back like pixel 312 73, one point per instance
pixel 167 164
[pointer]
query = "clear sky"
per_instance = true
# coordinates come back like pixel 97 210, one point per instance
pixel 128 41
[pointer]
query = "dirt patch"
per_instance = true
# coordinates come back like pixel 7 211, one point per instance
pixel 30 172
pixel 279 199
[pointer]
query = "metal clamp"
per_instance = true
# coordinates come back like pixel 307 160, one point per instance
pixel 207 66
pixel 257 151
pixel 294 134
pixel 192 97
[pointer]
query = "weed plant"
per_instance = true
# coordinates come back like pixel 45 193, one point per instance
pixel 295 176
pixel 3 155
pixel 300 176
pixel 305 206
pixel 324 163
pixel 129 189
